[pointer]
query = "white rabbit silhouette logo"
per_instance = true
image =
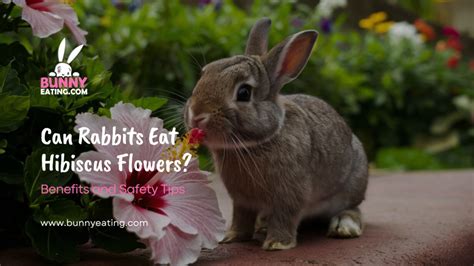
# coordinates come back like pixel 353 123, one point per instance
pixel 64 69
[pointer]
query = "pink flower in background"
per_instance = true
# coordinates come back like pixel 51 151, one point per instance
pixel 47 17
pixel 179 225
pixel 451 32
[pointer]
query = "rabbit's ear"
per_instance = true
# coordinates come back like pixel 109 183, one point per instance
pixel 286 60
pixel 74 53
pixel 61 50
pixel 257 43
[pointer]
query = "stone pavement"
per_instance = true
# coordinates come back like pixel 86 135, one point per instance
pixel 424 218
pixel 411 218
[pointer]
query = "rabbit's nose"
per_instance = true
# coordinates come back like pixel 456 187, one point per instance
pixel 200 121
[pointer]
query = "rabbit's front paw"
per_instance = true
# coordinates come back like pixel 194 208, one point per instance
pixel 235 236
pixel 261 226
pixel 272 244
pixel 347 224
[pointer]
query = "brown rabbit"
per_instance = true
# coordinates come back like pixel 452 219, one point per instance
pixel 282 158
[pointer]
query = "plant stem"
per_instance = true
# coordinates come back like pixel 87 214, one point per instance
pixel 7 25
pixel 9 10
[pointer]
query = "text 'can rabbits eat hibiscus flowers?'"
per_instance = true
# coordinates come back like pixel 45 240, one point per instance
pixel 116 135
pixel 151 175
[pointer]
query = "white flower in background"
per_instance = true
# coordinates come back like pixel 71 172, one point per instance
pixel 404 31
pixel 326 7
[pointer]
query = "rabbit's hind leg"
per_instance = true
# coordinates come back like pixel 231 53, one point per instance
pixel 346 224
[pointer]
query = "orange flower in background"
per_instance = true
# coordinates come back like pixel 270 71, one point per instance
pixel 425 29
pixel 441 46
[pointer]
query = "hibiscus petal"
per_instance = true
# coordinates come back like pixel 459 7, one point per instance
pixel 126 211
pixel 58 8
pixel 70 19
pixel 95 124
pixel 43 24
pixel 197 210
pixel 193 174
pixel 140 120
pixel 113 178
pixel 78 33
pixel 175 248
pixel 132 116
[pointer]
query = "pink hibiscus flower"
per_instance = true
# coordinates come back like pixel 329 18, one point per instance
pixel 47 17
pixel 178 225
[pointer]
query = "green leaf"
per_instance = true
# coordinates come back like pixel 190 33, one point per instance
pixel 11 170
pixel 3 146
pixel 93 67
pixel 14 110
pixel 61 210
pixel 46 102
pixel 35 177
pixel 9 81
pixel 152 103
pixel 16 55
pixel 55 243
pixel 114 239
pixel 104 112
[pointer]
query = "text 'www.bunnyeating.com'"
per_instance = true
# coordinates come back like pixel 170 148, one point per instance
pixel 92 224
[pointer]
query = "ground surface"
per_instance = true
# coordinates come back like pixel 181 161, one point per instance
pixel 411 218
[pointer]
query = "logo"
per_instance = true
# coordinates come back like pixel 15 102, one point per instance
pixel 63 81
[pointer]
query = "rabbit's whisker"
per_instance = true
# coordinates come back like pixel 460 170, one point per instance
pixel 251 156
pixel 247 167
pixel 181 98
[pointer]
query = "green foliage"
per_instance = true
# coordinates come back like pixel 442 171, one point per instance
pixel 56 243
pixel 62 210
pixel 24 114
pixel 152 103
pixel 391 94
pixel 14 109
pixel 425 8
pixel 35 176
pixel 406 159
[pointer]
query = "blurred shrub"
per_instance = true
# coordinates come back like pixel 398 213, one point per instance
pixel 406 159
pixel 391 94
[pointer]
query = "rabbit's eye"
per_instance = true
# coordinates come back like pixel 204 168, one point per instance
pixel 244 92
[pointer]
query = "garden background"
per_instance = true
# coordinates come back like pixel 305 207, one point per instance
pixel 407 94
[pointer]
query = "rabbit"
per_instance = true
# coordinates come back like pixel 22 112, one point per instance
pixel 64 69
pixel 282 158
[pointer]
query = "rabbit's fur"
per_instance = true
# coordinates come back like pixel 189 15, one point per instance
pixel 281 158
